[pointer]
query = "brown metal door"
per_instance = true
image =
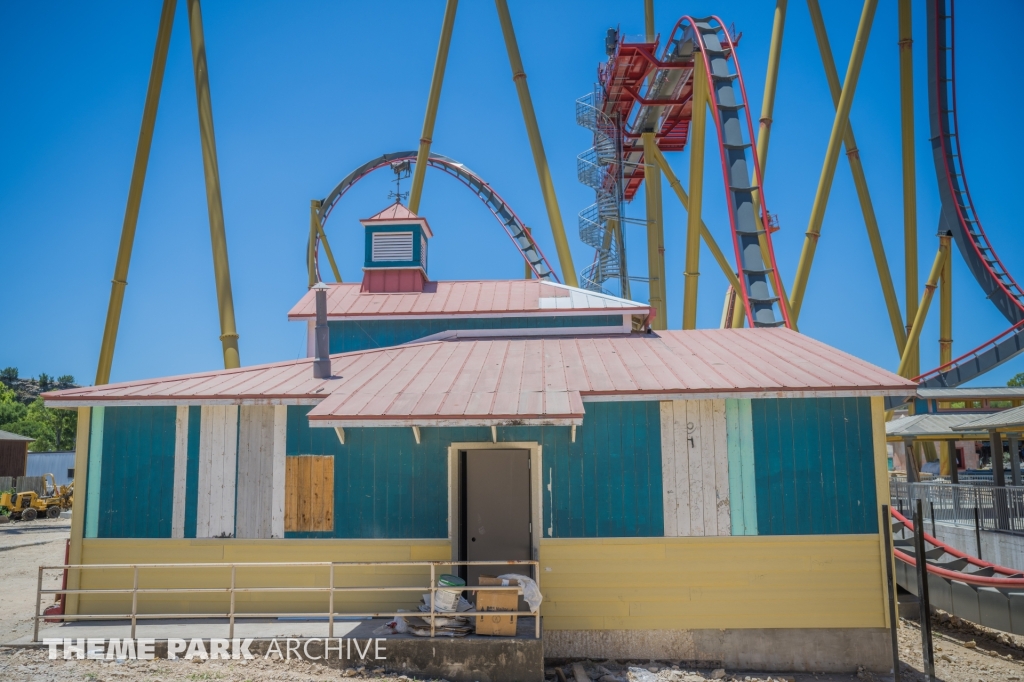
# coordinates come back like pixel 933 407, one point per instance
pixel 497 526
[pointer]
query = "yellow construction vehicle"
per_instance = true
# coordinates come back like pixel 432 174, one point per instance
pixel 29 505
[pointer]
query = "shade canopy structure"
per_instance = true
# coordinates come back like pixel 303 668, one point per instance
pixel 1007 421
pixel 933 427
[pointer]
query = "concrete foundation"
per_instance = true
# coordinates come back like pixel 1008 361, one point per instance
pixel 355 644
pixel 839 650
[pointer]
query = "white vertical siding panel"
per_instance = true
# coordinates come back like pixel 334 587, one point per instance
pixel 245 526
pixel 255 472
pixel 180 471
pixel 721 449
pixel 681 468
pixel 229 470
pixel 216 481
pixel 668 471
pixel 203 509
pixel 695 468
pixel 278 453
pixel 218 455
pixel 691 429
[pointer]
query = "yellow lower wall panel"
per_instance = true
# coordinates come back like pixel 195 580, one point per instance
pixel 712 582
pixel 125 551
pixel 601 584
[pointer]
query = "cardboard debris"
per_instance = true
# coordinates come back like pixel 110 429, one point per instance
pixel 499 625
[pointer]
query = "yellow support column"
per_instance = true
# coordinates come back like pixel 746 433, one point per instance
pixel 218 240
pixel 909 174
pixel 739 312
pixel 652 199
pixel 655 248
pixel 693 216
pixel 547 187
pixel 528 271
pixel 318 228
pixel 131 211
pixel 763 135
pixel 892 304
pixel 946 313
pixel 440 62
pixel 828 169
pixel 905 369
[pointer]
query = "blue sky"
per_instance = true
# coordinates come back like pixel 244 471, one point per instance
pixel 305 92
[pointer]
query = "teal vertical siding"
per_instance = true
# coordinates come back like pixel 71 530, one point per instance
pixel 742 480
pixel 136 492
pixel 606 484
pixel 94 473
pixel 352 335
pixel 385 484
pixel 814 466
pixel 195 418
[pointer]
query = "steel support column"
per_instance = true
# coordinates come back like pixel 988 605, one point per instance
pixel 763 135
pixel 655 233
pixel 1014 441
pixel 922 310
pixel 954 472
pixel 995 447
pixel 138 181
pixel 828 169
pixel 317 228
pixel 693 216
pixel 946 313
pixel 909 175
pixel 218 240
pixel 433 98
pixel 540 160
pixel 860 182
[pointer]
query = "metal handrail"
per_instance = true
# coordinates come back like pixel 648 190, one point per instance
pixel 981 506
pixel 233 589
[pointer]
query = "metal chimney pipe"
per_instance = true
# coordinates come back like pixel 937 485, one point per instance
pixel 322 363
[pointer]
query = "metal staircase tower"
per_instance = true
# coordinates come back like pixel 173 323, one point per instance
pixel 600 167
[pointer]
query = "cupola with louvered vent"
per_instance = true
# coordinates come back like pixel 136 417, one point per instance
pixel 396 251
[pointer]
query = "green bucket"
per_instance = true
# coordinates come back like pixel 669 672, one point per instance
pixel 449 580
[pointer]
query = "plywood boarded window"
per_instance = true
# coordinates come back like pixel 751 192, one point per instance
pixel 309 494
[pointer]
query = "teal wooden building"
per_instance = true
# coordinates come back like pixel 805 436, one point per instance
pixel 699 495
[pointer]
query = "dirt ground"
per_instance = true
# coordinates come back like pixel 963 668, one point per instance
pixel 23 548
pixel 964 652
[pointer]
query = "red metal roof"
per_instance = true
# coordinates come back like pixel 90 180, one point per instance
pixel 480 297
pixel 397 213
pixel 530 380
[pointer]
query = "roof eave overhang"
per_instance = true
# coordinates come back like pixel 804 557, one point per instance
pixel 174 402
pixel 714 394
pixel 533 312
pixel 427 422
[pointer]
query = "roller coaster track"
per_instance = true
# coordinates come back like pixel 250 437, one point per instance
pixel 959 217
pixel 647 93
pixel 963 585
pixel 735 143
pixel 503 213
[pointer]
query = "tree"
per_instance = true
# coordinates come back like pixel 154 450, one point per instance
pixel 44 381
pixel 65 381
pixel 1017 380
pixel 9 374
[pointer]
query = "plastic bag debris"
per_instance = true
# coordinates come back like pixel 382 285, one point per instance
pixel 531 593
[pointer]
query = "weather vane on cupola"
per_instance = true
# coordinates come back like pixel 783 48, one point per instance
pixel 402 170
